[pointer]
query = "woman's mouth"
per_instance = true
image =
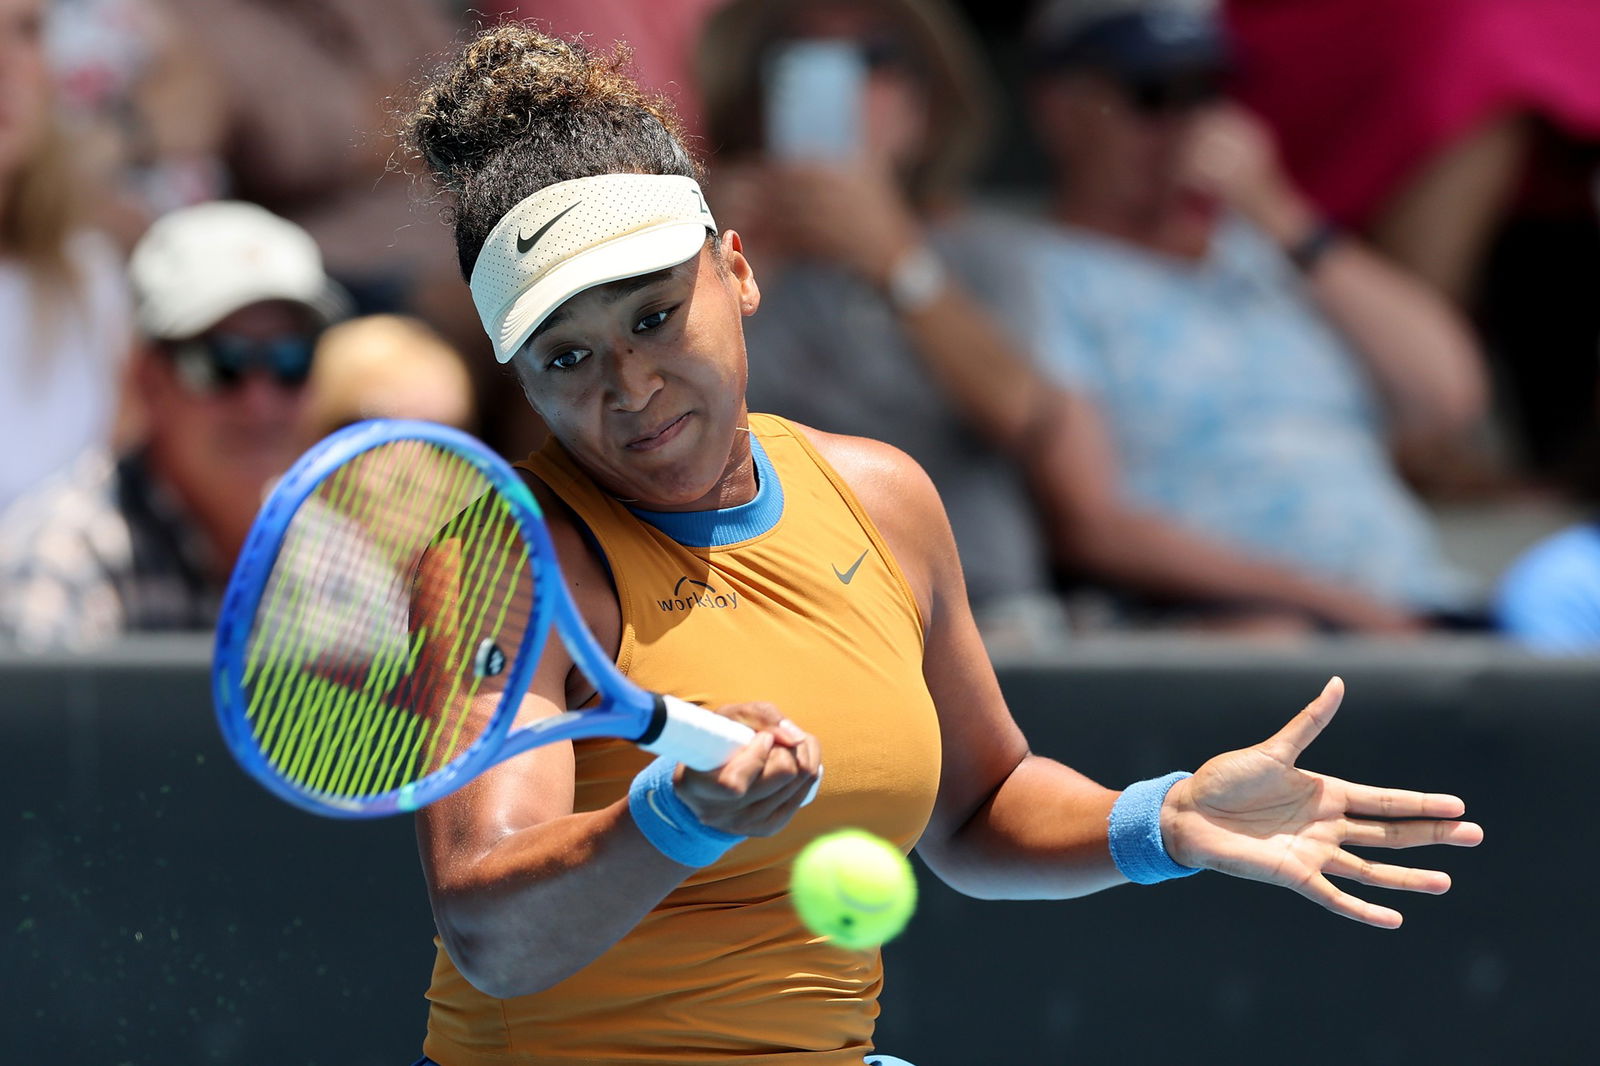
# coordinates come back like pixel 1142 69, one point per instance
pixel 661 436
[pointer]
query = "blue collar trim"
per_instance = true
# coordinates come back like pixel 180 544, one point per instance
pixel 730 525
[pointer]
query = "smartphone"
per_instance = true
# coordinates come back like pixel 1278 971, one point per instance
pixel 813 101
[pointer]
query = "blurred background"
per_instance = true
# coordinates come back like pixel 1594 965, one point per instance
pixel 1246 319
pixel 1232 333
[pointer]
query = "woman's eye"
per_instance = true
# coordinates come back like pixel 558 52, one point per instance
pixel 653 321
pixel 568 359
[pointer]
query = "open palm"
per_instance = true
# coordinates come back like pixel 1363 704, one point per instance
pixel 1252 813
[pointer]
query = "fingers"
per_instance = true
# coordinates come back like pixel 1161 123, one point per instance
pixel 1287 744
pixel 759 788
pixel 1341 863
pixel 1385 875
pixel 1400 803
pixel 1364 833
pixel 1321 891
pixel 756 792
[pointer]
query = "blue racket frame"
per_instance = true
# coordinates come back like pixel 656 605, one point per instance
pixel 626 710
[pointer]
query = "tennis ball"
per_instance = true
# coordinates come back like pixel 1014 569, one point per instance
pixel 854 888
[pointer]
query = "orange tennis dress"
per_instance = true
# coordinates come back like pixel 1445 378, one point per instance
pixel 795 600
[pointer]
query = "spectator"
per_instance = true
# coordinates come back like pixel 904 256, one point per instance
pixel 309 88
pixel 144 106
pixel 883 291
pixel 1463 136
pixel 230 300
pixel 385 366
pixel 1549 598
pixel 64 326
pixel 1235 370
pixel 1420 131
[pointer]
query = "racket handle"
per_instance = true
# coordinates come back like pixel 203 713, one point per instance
pixel 696 737
pixel 702 739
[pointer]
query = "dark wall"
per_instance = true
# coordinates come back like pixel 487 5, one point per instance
pixel 162 909
pixel 1500 970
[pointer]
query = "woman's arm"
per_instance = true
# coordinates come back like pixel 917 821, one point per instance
pixel 1011 824
pixel 525 890
pixel 1419 351
pixel 1072 470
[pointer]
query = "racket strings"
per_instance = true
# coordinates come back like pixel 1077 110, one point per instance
pixel 316 614
pixel 363 669
pixel 363 727
pixel 489 578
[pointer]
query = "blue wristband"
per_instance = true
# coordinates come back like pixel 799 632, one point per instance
pixel 668 823
pixel 1135 831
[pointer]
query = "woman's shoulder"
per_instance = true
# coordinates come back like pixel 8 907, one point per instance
pixel 870 467
pixel 897 495
pixel 892 487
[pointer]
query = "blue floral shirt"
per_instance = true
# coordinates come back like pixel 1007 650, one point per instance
pixel 1237 411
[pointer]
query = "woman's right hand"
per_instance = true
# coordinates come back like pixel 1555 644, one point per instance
pixel 762 785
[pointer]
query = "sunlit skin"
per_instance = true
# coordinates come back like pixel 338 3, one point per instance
pixel 24 83
pixel 643 382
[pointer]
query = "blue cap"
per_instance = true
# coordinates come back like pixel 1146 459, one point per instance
pixel 1149 41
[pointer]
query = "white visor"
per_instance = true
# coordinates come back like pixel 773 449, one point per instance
pixel 575 235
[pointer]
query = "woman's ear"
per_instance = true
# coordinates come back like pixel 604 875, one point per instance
pixel 741 273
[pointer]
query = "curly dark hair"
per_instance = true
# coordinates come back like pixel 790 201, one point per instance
pixel 517 110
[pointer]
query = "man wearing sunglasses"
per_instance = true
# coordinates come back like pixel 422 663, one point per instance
pixel 1235 377
pixel 230 302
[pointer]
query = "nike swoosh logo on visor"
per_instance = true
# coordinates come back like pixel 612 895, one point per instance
pixel 850 574
pixel 525 244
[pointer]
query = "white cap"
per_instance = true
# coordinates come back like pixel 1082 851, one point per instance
pixel 577 234
pixel 197 265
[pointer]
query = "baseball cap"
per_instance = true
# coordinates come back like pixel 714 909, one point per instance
pixel 1129 38
pixel 197 265
pixel 577 234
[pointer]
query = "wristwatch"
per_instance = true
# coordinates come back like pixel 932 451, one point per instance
pixel 916 281
pixel 1308 251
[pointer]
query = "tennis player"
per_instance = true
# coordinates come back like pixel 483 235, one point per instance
pixel 594 907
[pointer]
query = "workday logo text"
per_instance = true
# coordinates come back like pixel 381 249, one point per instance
pixel 689 594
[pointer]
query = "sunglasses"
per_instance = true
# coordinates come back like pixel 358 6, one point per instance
pixel 1169 95
pixel 220 362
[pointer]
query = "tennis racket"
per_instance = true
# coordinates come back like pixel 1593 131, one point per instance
pixel 385 619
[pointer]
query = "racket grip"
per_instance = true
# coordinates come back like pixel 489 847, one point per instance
pixel 702 739
pixel 696 737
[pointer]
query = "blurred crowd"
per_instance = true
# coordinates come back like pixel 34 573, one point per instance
pixel 1207 317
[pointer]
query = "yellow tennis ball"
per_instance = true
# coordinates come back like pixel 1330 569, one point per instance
pixel 854 888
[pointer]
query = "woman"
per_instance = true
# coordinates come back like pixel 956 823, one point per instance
pixel 64 320
pixel 881 235
pixel 594 907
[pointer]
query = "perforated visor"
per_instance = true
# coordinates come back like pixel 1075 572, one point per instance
pixel 577 234
pixel 643 252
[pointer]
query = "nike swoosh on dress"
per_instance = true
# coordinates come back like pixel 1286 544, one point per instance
pixel 849 575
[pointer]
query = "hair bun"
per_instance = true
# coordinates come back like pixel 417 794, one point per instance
pixel 518 110
pixel 507 75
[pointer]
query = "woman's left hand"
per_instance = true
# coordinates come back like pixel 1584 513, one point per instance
pixel 1253 814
